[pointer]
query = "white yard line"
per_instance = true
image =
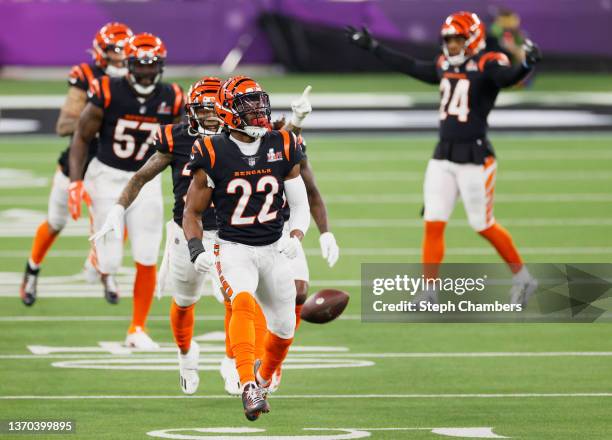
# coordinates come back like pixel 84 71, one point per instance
pixel 320 396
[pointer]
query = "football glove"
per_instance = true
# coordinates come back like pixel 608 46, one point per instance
pixel 76 195
pixel 113 223
pixel 329 248
pixel 533 54
pixel 361 38
pixel 301 108
pixel 204 261
pixel 289 246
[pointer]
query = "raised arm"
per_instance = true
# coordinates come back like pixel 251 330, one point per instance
pixel 422 70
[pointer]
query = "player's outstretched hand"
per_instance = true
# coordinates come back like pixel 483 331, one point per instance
pixel 289 246
pixel 361 38
pixel 329 248
pixel 301 108
pixel 113 223
pixel 533 54
pixel 204 261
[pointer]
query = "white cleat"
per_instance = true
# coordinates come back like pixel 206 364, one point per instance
pixel 230 376
pixel 522 291
pixel 91 275
pixel 140 340
pixel 188 369
pixel 275 381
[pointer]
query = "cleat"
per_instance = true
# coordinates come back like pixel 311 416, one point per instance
pixel 254 401
pixel 111 291
pixel 140 340
pixel 188 369
pixel 522 291
pixel 27 291
pixel 276 380
pixel 90 273
pixel 230 376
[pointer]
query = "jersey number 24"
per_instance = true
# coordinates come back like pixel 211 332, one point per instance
pixel 455 102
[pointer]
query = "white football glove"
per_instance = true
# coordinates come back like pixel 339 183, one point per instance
pixel 301 108
pixel 113 223
pixel 289 246
pixel 204 261
pixel 329 248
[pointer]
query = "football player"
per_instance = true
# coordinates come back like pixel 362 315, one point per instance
pixel 463 163
pixel 126 113
pixel 173 148
pixel 108 59
pixel 245 172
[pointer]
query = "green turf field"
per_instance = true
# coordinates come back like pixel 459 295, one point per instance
pixel 354 83
pixel 536 381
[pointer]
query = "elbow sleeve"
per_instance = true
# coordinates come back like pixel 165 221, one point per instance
pixel 297 198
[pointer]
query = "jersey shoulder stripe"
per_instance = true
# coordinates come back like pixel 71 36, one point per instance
pixel 106 90
pixel 169 138
pixel 286 143
pixel 88 72
pixel 178 99
pixel 501 58
pixel 211 150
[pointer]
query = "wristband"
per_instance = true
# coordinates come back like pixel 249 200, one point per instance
pixel 195 248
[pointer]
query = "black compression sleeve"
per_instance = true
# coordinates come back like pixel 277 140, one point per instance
pixel 421 70
pixel 506 76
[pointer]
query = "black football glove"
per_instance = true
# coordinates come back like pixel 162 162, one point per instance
pixel 533 54
pixel 361 38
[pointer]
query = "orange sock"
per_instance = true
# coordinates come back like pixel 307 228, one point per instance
pixel 181 321
pixel 144 288
pixel 502 241
pixel 228 316
pixel 276 351
pixel 433 248
pixel 298 313
pixel 43 239
pixel 242 335
pixel 261 329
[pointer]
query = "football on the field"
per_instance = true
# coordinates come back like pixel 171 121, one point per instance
pixel 324 306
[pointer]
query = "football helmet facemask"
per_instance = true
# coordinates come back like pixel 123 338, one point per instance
pixel 145 55
pixel 111 39
pixel 200 106
pixel 467 25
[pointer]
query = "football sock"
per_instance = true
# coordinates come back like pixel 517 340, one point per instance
pixel 43 239
pixel 144 288
pixel 181 321
pixel 242 335
pixel 501 240
pixel 261 329
pixel 433 248
pixel 226 324
pixel 276 351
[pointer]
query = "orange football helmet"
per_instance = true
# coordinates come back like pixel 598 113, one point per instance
pixel 202 95
pixel 110 38
pixel 242 105
pixel 145 55
pixel 467 25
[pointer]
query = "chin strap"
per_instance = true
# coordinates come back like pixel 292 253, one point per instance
pixel 252 131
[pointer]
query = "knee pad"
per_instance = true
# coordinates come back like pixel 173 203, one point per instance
pixel 301 288
pixel 284 328
pixel 57 221
pixel 183 300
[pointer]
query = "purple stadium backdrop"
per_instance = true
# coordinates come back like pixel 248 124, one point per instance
pixel 58 32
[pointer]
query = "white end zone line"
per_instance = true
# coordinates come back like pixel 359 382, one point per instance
pixel 323 396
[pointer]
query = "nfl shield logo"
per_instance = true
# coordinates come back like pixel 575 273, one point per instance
pixel 251 161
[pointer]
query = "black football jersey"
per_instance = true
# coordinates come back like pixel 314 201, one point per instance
pixel 176 140
pixel 81 76
pixel 130 121
pixel 467 95
pixel 248 190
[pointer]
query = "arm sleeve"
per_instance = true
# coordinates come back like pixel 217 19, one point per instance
pixel 422 70
pixel 99 92
pixel 297 199
pixel 199 157
pixel 498 68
